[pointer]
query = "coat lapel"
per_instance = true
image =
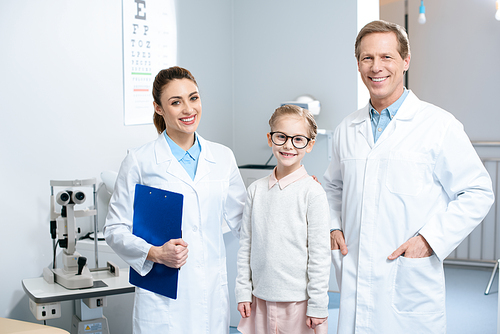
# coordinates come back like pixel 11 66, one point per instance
pixel 164 156
pixel 204 162
pixel 363 125
pixel 406 113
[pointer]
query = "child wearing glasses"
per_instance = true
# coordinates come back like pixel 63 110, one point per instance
pixel 284 255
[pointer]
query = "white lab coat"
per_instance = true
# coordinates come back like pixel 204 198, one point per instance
pixel 422 176
pixel 217 193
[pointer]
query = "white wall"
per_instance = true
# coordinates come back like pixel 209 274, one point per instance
pixel 284 49
pixel 454 60
pixel 61 113
pixel 61 107
pixel 205 48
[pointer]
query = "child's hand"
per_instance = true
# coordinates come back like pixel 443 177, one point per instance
pixel 313 322
pixel 244 309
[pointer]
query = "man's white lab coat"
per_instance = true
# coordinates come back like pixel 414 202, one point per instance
pixel 422 176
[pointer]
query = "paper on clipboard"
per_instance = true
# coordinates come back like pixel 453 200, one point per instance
pixel 157 219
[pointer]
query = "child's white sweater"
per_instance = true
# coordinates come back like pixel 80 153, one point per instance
pixel 284 251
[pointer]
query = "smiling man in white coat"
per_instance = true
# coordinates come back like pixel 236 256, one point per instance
pixel 405 187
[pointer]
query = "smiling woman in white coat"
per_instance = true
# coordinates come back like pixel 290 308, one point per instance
pixel 181 161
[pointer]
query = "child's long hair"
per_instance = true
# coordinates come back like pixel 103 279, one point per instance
pixel 293 110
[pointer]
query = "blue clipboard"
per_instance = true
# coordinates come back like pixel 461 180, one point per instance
pixel 157 219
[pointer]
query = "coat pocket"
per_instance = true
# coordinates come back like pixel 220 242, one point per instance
pixel 418 286
pixel 406 173
pixel 151 311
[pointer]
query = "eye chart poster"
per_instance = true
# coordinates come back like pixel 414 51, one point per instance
pixel 149 45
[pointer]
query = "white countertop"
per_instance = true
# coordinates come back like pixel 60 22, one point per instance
pixel 40 291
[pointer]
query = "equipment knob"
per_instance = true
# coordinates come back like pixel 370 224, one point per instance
pixel 82 261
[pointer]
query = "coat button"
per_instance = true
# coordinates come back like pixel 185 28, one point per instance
pixel 195 228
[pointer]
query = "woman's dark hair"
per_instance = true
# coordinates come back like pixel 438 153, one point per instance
pixel 163 78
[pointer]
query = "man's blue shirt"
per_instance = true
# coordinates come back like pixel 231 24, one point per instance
pixel 380 121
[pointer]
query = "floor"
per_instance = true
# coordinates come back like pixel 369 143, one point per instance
pixel 468 309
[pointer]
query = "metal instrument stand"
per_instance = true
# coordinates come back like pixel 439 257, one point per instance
pixel 490 282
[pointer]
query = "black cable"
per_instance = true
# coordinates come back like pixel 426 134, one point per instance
pixel 272 155
pixel 54 254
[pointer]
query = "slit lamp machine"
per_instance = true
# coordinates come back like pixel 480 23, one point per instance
pixel 75 273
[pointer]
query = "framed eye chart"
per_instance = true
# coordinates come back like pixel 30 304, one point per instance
pixel 149 45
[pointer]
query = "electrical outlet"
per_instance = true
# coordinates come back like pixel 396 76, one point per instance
pixel 45 311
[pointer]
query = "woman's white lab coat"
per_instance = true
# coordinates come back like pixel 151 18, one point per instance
pixel 422 176
pixel 217 193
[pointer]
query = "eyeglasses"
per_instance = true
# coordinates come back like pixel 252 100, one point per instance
pixel 279 139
